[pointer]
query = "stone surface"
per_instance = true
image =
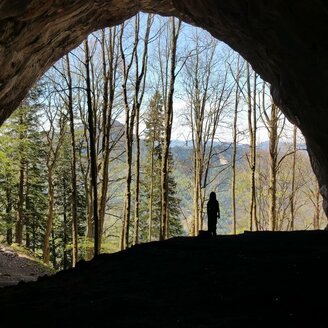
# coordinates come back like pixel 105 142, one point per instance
pixel 285 41
pixel 254 280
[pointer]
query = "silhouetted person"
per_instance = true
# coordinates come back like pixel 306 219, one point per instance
pixel 213 213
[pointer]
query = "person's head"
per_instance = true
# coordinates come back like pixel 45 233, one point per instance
pixel 212 196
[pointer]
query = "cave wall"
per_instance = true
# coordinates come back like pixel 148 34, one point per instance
pixel 285 41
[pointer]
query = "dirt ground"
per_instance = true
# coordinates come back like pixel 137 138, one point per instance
pixel 16 266
pixel 260 279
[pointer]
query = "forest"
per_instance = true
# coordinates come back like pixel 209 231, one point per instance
pixel 123 139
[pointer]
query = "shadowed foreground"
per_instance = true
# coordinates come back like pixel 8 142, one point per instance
pixel 260 279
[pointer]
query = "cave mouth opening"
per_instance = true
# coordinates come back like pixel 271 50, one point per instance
pixel 211 82
pixel 286 50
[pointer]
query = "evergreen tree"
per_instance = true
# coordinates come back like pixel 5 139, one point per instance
pixel 35 192
pixel 7 189
pixel 62 224
pixel 62 243
pixel 22 175
pixel 151 185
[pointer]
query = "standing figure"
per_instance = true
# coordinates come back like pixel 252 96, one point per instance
pixel 213 213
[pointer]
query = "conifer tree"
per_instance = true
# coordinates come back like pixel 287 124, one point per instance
pixel 22 175
pixel 152 180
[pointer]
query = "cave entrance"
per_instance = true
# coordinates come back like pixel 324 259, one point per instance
pixel 226 132
pixel 36 36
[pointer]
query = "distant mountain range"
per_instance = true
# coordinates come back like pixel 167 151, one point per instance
pixel 282 144
pixel 262 145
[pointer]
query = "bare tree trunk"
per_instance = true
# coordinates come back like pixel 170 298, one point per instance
pixel 130 117
pixel 106 127
pixel 197 112
pixel 254 219
pixel 20 209
pixel 88 192
pixel 168 119
pixel 271 122
pixel 292 196
pixel 20 204
pixel 251 160
pixel 9 232
pixel 273 151
pixel 54 140
pixel 234 152
pixel 137 181
pixel 151 192
pixel 65 258
pixel 128 179
pixel 109 86
pixel 52 155
pixel 139 93
pixel 195 227
pixel 316 221
pixel 195 200
pixel 73 164
pixel 205 109
pixel 53 249
pixel 128 133
pixel 27 210
pixel 93 155
pixel 199 119
pixel 50 217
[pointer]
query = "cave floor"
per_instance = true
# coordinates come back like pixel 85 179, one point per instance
pixel 261 279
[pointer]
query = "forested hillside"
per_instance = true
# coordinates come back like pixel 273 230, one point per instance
pixel 122 141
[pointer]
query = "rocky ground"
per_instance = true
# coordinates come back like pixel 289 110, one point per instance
pixel 16 266
pixel 251 280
